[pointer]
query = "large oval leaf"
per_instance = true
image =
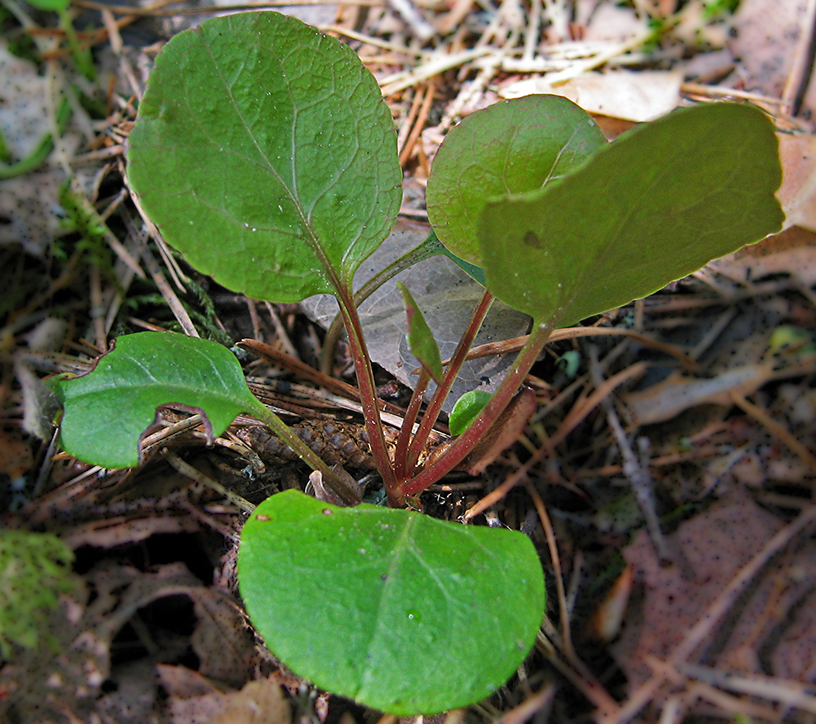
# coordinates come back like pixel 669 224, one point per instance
pixel 394 609
pixel 107 410
pixel 264 152
pixel 651 207
pixel 510 147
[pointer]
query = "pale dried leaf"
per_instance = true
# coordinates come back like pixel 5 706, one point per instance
pixel 669 398
pixel 798 191
pixel 609 21
pixel 642 96
pixel 765 42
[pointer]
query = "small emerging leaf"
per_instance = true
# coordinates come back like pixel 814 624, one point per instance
pixel 421 340
pixel 467 409
pixel 510 147
pixel 653 206
pixel 107 410
pixel 264 152
pixel 394 609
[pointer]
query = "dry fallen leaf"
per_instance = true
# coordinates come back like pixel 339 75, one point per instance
pixel 259 702
pixel 709 550
pixel 766 40
pixel 221 639
pixel 798 191
pixel 669 398
pixel 640 96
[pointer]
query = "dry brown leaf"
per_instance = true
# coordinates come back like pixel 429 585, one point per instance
pixel 193 700
pixel 183 683
pixel 221 639
pixel 259 702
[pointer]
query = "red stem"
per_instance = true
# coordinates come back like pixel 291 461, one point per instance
pixel 465 443
pixel 401 453
pixel 368 391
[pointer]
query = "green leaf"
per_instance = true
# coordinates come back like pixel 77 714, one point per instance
pixel 265 153
pixel 107 410
pixel 467 409
pixel 54 5
pixel 660 202
pixel 510 147
pixel 401 612
pixel 421 340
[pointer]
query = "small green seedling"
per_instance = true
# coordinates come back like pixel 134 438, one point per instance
pixel 265 153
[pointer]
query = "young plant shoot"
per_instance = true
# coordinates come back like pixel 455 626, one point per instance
pixel 265 154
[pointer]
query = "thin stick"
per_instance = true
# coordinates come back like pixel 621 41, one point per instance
pixel 405 154
pixel 637 473
pixel 566 635
pixel 575 416
pixel 189 471
pixel 776 429
pixel 559 335
pixel 528 708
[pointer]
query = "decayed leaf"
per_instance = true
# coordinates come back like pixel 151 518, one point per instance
pixel 193 699
pixel 641 96
pixel 765 43
pixel 770 630
pixel 669 398
pixel 791 252
pixel 46 683
pixel 709 550
pixel 259 702
pixel 221 639
pixel 447 296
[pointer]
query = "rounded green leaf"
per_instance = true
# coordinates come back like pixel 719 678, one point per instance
pixel 467 409
pixel 658 203
pixel 265 153
pixel 510 147
pixel 401 612
pixel 107 410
